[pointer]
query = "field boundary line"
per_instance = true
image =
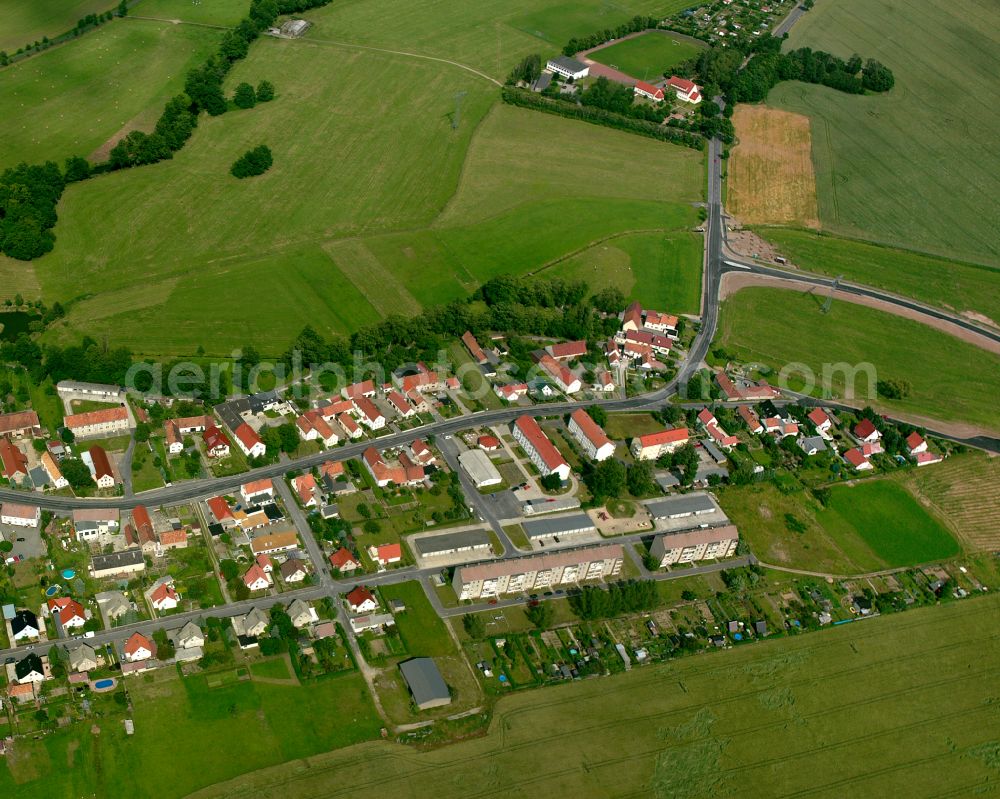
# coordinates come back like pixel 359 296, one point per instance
pixel 594 243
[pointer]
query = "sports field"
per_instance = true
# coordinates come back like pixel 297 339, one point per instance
pixel 771 179
pixel 898 704
pixel 72 99
pixel 950 379
pixel 648 56
pixel 916 167
pixel 965 288
pixel 27 21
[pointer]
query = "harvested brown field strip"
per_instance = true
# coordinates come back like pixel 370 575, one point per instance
pixel 771 178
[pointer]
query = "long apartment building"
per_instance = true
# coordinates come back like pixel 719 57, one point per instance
pixel 540 449
pixel 103 422
pixel 590 436
pixel 706 543
pixel 538 572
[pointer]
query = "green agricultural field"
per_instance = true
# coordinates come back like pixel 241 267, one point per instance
pixel 27 21
pixel 950 379
pixel 648 56
pixel 488 37
pixel 319 245
pixel 958 286
pixel 72 99
pixel 661 270
pixel 890 521
pixel 255 720
pixel 557 22
pixel 815 715
pixel 205 12
pixel 915 167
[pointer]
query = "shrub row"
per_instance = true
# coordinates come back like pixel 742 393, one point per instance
pixel 599 116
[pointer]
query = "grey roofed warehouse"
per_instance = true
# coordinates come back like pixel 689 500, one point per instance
pixel 480 468
pixel 425 683
pixel 682 505
pixel 559 525
pixel 429 546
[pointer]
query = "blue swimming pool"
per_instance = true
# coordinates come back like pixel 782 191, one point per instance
pixel 68 574
pixel 105 683
pixel 52 590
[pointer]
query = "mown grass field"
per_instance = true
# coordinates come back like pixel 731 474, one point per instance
pixel 27 21
pixel 206 12
pixel 867 526
pixel 902 703
pixel 950 379
pixel 915 167
pixel 649 56
pixel 662 270
pixel 965 288
pixel 260 723
pixel 771 179
pixel 889 520
pixel 72 99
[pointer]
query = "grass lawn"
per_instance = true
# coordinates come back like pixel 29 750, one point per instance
pixel 273 669
pixel 629 425
pixel 25 23
pixel 950 379
pixel 421 629
pixel 875 524
pixel 650 56
pixel 70 100
pixel 727 722
pixel 928 194
pixel 254 717
pixel 889 520
pixel 949 284
pixel 145 475
pixel 86 406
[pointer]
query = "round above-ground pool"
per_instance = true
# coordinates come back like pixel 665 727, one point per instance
pixel 68 574
pixel 104 684
pixel 52 590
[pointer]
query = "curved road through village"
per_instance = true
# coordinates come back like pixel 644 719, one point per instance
pixel 718 261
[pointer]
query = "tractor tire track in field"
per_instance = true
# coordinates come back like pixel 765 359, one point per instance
pixel 655 677
pixel 403 53
pixel 338 43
